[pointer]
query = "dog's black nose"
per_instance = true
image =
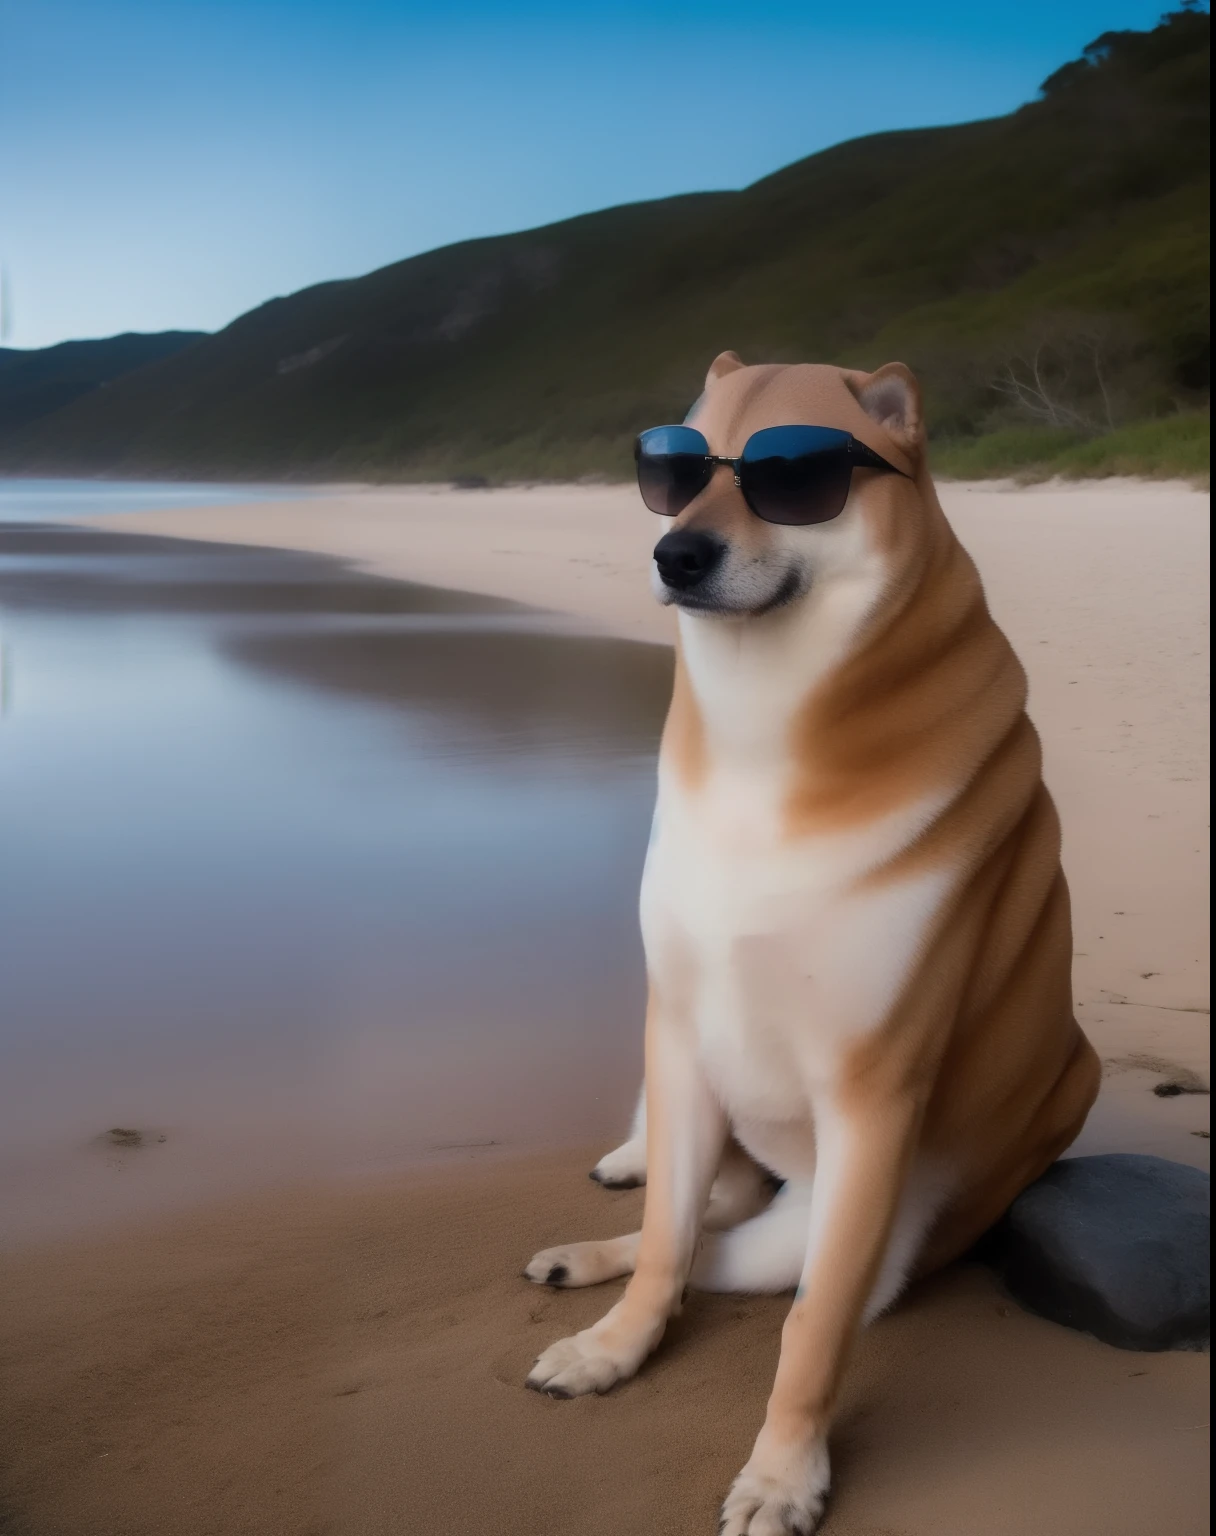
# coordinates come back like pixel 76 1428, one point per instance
pixel 685 558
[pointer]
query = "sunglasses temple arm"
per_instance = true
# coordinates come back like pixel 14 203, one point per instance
pixel 866 458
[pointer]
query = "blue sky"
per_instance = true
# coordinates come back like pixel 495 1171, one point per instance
pixel 171 163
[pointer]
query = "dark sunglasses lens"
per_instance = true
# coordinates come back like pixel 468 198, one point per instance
pixel 796 475
pixel 673 468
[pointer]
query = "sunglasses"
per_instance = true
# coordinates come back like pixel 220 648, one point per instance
pixel 790 475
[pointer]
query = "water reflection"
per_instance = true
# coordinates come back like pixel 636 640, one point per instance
pixel 302 868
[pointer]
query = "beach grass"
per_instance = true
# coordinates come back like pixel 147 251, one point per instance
pixel 1172 448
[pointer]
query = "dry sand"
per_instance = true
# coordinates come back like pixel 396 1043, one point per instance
pixel 350 1361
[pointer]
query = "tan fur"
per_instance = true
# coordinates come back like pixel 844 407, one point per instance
pixel 977 1066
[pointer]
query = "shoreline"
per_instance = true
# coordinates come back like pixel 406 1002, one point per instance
pixel 1104 596
pixel 522 545
pixel 1009 482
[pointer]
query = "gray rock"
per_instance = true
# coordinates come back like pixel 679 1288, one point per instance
pixel 1116 1246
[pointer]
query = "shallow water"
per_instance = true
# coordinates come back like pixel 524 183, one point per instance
pixel 40 500
pixel 303 871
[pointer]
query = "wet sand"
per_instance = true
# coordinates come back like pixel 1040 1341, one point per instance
pixel 304 870
pixel 350 1363
pixel 350 1359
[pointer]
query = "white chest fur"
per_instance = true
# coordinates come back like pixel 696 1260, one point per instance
pixel 775 952
pixel 772 951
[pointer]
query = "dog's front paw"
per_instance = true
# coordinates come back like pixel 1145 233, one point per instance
pixel 781 1492
pixel 555 1266
pixel 577 1264
pixel 624 1168
pixel 581 1364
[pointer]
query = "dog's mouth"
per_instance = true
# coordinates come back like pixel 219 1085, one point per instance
pixel 793 585
pixel 711 600
pixel 689 602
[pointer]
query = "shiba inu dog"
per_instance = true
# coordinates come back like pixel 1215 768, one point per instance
pixel 856 925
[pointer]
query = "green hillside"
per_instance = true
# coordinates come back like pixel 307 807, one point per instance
pixel 1046 274
pixel 36 383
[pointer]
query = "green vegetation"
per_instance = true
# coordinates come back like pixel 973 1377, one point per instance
pixel 1020 452
pixel 34 384
pixel 1045 273
pixel 1177 446
pixel 1171 448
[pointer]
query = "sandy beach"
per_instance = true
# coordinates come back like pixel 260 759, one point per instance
pixel 348 1358
pixel 351 1362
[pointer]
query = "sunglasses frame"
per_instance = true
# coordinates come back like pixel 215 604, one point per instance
pixel 859 454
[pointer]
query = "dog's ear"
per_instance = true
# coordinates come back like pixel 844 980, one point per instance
pixel 724 363
pixel 891 397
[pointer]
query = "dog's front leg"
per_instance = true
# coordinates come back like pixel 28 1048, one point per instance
pixel 863 1153
pixel 686 1129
